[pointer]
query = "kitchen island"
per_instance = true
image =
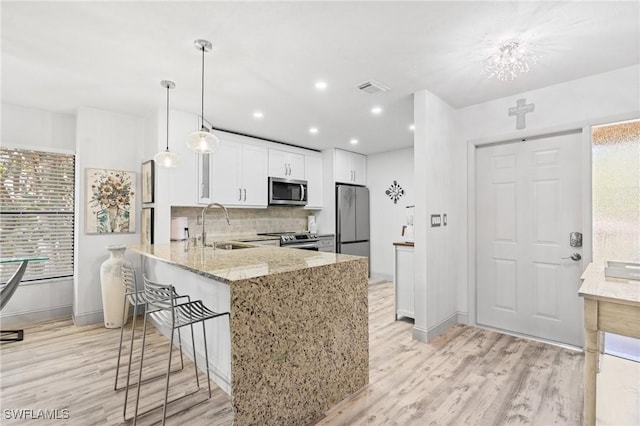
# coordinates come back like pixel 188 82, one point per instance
pixel 296 342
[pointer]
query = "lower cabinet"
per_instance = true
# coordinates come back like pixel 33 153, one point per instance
pixel 404 280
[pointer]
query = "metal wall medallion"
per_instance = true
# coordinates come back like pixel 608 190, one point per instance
pixel 394 192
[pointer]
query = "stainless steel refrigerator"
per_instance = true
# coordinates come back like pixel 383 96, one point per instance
pixel 352 220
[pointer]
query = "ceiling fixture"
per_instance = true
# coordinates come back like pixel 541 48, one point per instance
pixel 412 127
pixel 202 141
pixel 376 110
pixel 512 60
pixel 372 87
pixel 321 85
pixel 258 115
pixel 167 158
pixel 353 141
pixel 313 130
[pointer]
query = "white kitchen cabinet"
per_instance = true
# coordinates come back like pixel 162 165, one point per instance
pixel 350 167
pixel 313 174
pixel 287 165
pixel 404 280
pixel 239 175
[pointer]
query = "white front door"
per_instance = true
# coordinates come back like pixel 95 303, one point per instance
pixel 529 200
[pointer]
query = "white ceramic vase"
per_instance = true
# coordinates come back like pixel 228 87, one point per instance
pixel 113 291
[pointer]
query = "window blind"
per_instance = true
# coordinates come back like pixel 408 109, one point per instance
pixel 37 192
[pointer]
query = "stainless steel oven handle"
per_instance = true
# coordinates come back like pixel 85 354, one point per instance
pixel 301 192
pixel 301 246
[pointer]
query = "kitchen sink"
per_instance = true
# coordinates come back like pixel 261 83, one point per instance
pixel 230 246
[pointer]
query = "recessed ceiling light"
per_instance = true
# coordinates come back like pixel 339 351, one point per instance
pixel 313 130
pixel 376 110
pixel 321 85
pixel 258 115
pixel 353 141
pixel 412 127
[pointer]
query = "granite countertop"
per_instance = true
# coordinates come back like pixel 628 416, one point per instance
pixel 597 285
pixel 238 264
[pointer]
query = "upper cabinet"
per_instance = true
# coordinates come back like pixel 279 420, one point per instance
pixel 287 165
pixel 313 175
pixel 239 175
pixel 350 167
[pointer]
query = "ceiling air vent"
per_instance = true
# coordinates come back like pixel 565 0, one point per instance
pixel 373 87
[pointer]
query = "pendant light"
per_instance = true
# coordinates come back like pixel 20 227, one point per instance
pixel 167 158
pixel 202 141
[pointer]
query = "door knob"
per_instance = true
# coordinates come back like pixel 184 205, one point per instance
pixel 575 257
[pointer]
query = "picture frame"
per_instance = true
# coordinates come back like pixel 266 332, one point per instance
pixel 148 181
pixel 110 201
pixel 146 231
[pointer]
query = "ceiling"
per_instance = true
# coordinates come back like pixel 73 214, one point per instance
pixel 267 56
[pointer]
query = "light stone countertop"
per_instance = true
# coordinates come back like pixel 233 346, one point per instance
pixel 597 285
pixel 238 264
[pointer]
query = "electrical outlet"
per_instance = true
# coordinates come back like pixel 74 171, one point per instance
pixel 435 220
pixel 444 219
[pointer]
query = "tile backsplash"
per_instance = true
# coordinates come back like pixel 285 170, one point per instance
pixel 249 221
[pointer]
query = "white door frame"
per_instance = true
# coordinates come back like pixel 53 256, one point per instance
pixel 585 127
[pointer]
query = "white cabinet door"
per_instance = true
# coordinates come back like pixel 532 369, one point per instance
pixel 313 173
pixel 350 167
pixel 287 165
pixel 296 167
pixel 359 168
pixel 343 171
pixel 225 174
pixel 404 281
pixel 254 176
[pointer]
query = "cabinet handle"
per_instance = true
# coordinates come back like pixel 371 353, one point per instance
pixel 245 194
pixel 239 194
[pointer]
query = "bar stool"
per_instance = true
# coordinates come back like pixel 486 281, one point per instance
pixel 135 297
pixel 161 302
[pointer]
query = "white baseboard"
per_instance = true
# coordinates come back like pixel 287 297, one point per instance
pixel 22 318
pixel 428 335
pixel 463 318
pixel 89 318
pixel 379 278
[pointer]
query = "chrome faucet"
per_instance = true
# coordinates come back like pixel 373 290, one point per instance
pixel 226 215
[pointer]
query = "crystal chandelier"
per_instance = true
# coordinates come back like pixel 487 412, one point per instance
pixel 511 61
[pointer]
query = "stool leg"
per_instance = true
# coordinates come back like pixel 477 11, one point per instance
pixel 206 357
pixel 166 387
pixel 133 329
pixel 144 336
pixel 124 310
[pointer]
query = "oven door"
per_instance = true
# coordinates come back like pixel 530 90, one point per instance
pixel 287 192
pixel 304 246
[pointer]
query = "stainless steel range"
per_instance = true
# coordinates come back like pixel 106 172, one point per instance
pixel 299 240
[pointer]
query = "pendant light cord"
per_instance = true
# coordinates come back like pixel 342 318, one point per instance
pixel 167 117
pixel 202 104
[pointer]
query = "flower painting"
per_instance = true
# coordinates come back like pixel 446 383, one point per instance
pixel 111 201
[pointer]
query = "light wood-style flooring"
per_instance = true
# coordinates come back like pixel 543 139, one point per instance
pixel 467 376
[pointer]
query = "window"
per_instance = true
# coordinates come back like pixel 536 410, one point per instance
pixel 37 212
pixel 616 192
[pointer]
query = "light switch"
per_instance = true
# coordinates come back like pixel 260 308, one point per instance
pixel 435 220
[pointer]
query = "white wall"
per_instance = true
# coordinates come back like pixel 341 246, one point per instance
pixel 43 131
pixel 110 141
pixel 386 218
pixel 437 256
pixel 575 104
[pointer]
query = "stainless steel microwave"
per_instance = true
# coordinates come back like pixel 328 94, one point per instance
pixel 287 192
